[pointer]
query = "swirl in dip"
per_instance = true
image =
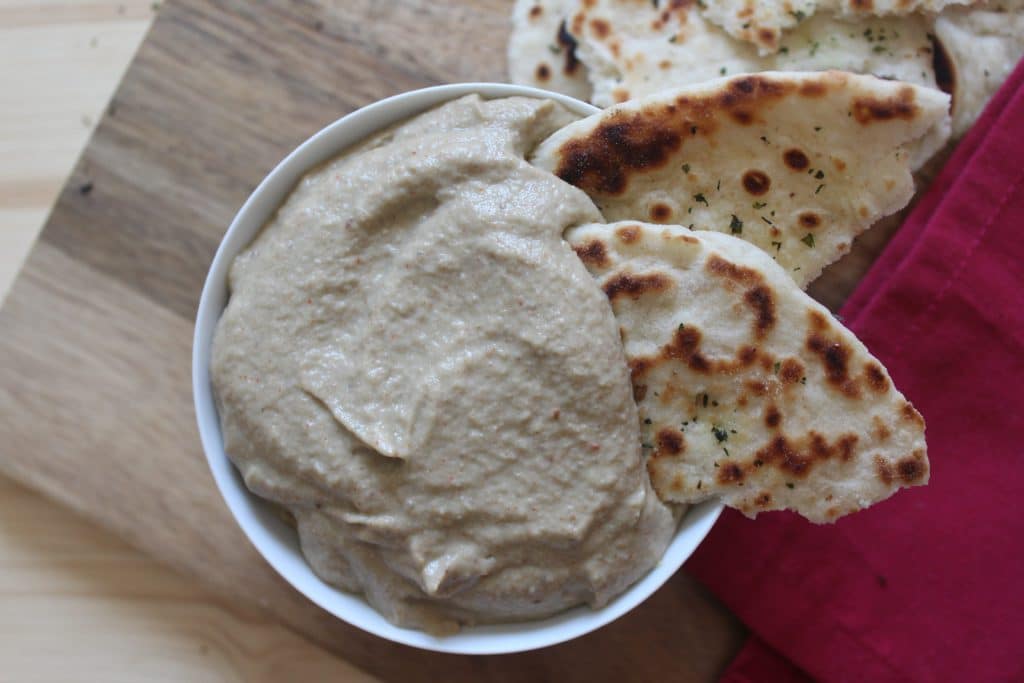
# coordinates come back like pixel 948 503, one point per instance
pixel 417 366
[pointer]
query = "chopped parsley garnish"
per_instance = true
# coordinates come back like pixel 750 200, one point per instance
pixel 647 421
pixel 777 367
pixel 682 326
pixel 767 221
pixel 722 71
pixel 819 175
pixel 808 239
pixel 820 187
pixel 555 49
pixel 760 205
pixel 799 15
pixel 784 50
pixel 699 197
pixel 720 433
pixel 777 245
pixel 673 39
pixel 736 225
pixel 817 129
pixel 646 445
pixel 686 168
pixel 789 485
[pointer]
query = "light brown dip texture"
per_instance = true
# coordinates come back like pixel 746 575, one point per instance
pixel 420 369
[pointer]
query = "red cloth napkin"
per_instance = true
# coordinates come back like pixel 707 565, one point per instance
pixel 928 586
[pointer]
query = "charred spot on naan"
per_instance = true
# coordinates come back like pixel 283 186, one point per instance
pixel 913 468
pixel 868 110
pixel 600 162
pixel 661 212
pixel 756 182
pixel 565 39
pixel 910 469
pixel 796 159
pixel 794 457
pixel 909 414
pixel 875 378
pixel 635 285
pixel 593 254
pixel 669 442
pixel 758 297
pixel 881 430
pixel 628 234
pixel 834 354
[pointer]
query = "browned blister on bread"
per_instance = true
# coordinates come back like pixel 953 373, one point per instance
pixel 764 23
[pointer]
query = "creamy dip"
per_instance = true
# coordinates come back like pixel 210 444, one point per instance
pixel 420 369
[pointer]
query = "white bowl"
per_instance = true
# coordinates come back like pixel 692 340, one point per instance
pixel 275 540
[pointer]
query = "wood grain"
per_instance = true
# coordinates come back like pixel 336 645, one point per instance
pixel 61 61
pixel 95 406
pixel 78 604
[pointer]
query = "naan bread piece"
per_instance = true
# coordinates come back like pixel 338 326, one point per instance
pixel 860 8
pixel 760 23
pixel 764 22
pixel 749 391
pixel 983 45
pixel 633 50
pixel 542 53
pixel 797 164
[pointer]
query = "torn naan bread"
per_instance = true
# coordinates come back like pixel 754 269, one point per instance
pixel 860 8
pixel 542 53
pixel 763 23
pixel 797 164
pixel 983 45
pixel 633 49
pixel 749 391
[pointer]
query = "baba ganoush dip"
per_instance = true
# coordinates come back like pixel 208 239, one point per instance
pixel 417 366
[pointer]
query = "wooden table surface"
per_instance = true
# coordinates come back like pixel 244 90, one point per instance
pixel 77 603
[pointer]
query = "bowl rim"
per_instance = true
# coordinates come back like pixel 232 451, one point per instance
pixel 275 541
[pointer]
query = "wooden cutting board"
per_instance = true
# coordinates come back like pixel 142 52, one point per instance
pixel 95 399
